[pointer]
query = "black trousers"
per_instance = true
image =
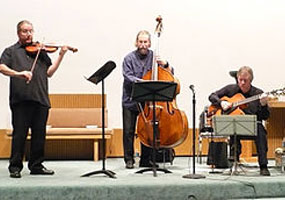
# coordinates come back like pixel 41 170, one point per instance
pixel 129 128
pixel 27 115
pixel 260 142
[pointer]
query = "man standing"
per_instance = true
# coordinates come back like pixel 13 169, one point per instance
pixel 135 66
pixel 29 101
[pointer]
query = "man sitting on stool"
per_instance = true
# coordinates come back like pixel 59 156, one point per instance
pixel 258 108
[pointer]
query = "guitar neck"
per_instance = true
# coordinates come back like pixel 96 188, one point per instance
pixel 276 92
pixel 247 100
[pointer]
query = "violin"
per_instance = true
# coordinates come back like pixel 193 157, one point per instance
pixel 49 48
pixel 37 47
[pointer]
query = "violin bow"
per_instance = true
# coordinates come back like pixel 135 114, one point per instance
pixel 35 61
pixel 38 53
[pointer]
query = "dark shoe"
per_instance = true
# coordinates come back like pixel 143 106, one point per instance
pixel 42 171
pixel 15 174
pixel 264 172
pixel 129 164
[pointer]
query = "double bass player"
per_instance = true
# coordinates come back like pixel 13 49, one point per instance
pixel 135 65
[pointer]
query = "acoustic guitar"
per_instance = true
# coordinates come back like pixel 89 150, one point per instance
pixel 239 102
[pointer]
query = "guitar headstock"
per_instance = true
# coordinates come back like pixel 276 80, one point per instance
pixel 278 92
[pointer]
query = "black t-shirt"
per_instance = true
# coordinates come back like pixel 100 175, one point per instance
pixel 18 59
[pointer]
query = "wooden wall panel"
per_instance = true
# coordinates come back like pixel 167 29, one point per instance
pixel 115 145
pixel 67 149
pixel 5 144
pixel 83 149
pixel 72 149
pixel 275 127
pixel 77 100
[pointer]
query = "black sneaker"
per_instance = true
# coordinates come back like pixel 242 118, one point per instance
pixel 129 164
pixel 15 174
pixel 264 172
pixel 42 171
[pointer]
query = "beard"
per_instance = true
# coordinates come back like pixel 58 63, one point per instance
pixel 26 41
pixel 143 51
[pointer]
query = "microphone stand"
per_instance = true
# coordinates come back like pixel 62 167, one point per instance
pixel 194 176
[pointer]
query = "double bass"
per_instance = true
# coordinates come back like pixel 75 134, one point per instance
pixel 171 122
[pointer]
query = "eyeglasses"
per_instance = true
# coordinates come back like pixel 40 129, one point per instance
pixel 26 31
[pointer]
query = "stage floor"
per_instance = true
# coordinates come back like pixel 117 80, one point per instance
pixel 67 182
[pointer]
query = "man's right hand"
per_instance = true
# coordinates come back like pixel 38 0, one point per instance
pixel 27 75
pixel 226 105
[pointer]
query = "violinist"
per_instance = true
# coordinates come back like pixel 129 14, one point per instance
pixel 29 101
pixel 135 66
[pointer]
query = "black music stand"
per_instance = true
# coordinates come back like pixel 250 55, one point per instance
pixel 233 125
pixel 98 76
pixel 154 91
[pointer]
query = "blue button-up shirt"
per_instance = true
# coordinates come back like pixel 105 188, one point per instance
pixel 135 66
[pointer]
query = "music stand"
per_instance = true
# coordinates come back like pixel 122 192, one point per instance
pixel 97 77
pixel 233 125
pixel 154 91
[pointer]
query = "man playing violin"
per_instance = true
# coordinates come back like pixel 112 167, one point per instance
pixel 29 101
pixel 135 65
pixel 258 108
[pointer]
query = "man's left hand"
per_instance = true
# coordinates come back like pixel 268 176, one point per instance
pixel 263 99
pixel 160 61
pixel 63 50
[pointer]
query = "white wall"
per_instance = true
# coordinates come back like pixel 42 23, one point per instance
pixel 203 40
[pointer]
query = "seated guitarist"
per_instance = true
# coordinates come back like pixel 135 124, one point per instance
pixel 257 107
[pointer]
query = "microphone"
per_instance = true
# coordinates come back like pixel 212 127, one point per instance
pixel 192 88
